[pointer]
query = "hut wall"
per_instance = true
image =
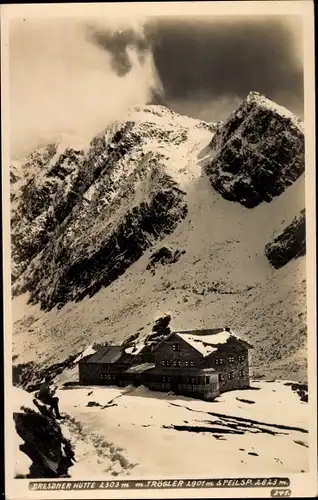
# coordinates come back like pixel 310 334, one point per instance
pixel 177 350
pixel 99 374
pixel 233 366
pixel 89 373
pixel 196 385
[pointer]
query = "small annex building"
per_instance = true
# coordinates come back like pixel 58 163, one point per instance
pixel 198 363
pixel 105 366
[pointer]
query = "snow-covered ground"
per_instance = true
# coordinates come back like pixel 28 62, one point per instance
pixel 137 432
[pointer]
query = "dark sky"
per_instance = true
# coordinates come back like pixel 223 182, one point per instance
pixel 204 61
pixel 62 70
pixel 208 65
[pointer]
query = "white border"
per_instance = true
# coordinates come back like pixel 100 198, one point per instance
pixel 302 485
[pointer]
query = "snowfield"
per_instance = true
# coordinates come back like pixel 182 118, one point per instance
pixel 137 432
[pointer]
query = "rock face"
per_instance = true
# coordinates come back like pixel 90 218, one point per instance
pixel 82 218
pixel 290 244
pixel 164 256
pixel 50 452
pixel 52 185
pixel 258 152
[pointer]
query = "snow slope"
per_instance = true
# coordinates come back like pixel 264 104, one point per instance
pixel 223 278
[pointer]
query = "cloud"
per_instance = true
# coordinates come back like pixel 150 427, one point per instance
pixel 215 61
pixel 73 77
pixel 118 43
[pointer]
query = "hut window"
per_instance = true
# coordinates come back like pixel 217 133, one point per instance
pixel 207 380
pixel 241 358
pixel 177 363
pixel 189 362
pixel 163 379
pixel 230 376
pixel 221 377
pixel 231 359
pixel 241 373
pixel 219 361
pixel 192 380
pixel 165 362
pixel 176 347
pixel 168 379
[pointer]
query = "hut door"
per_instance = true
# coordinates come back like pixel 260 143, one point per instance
pixel 212 385
pixel 174 384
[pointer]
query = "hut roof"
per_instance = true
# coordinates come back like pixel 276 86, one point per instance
pixel 140 368
pixel 88 352
pixel 207 341
pixel 106 354
pixel 135 349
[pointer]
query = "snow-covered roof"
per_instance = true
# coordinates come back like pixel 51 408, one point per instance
pixel 208 341
pixel 87 352
pixel 135 349
pixel 106 354
pixel 140 368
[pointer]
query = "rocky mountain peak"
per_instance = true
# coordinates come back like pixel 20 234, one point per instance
pixel 257 153
pixel 257 99
pixel 100 209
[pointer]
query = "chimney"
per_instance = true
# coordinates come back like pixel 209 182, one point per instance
pixel 226 328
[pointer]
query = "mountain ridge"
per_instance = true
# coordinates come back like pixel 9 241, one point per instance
pixel 130 172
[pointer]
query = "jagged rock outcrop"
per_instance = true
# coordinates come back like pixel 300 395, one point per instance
pixel 164 256
pixel 288 245
pixel 83 218
pixel 129 341
pixel 258 152
pixel 46 197
pixel 84 271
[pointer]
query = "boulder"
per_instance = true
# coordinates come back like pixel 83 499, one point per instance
pixel 289 244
